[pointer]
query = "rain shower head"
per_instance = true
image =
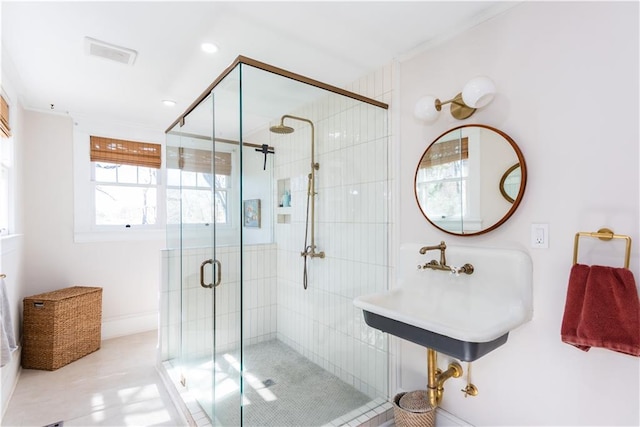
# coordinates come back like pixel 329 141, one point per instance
pixel 281 128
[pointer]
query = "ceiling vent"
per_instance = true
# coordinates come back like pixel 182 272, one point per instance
pixel 93 47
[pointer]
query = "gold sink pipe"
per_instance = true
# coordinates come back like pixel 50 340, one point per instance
pixel 437 378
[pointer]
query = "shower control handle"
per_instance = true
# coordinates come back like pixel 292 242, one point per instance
pixel 218 269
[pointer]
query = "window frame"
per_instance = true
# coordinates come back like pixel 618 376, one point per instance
pixel 7 168
pixel 160 209
pixel 229 194
pixel 85 229
pixel 423 183
pixel 84 217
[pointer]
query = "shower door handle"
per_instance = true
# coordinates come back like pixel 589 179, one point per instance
pixel 218 270
pixel 204 263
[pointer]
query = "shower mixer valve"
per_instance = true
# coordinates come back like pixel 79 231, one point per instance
pixel 309 251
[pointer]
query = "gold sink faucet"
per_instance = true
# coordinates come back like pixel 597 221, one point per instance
pixel 433 264
pixel 442 265
pixel 441 247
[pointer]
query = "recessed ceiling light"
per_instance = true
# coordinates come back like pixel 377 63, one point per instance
pixel 169 102
pixel 209 47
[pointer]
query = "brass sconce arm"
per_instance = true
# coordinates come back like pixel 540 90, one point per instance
pixel 457 100
pixel 477 93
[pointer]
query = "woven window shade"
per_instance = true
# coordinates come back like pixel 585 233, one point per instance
pixel 446 152
pixel 194 160
pixel 124 152
pixel 4 118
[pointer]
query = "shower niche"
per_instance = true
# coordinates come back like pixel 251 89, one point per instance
pixel 283 196
pixel 257 321
pixel 284 193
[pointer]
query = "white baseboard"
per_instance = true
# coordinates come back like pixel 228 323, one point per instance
pixel 120 326
pixel 446 419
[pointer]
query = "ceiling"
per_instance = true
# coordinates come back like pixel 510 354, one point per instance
pixel 334 42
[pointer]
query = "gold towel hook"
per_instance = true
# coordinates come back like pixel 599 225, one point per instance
pixel 605 234
pixel 2 276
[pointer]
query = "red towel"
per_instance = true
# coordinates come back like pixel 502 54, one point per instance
pixel 602 309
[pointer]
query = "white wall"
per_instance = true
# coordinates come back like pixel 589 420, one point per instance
pixel 567 79
pixel 128 272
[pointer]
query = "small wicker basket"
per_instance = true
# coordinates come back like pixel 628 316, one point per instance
pixel 61 326
pixel 412 409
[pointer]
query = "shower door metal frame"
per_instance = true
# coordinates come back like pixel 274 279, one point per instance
pixel 276 70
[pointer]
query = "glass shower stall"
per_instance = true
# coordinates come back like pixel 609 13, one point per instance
pixel 277 213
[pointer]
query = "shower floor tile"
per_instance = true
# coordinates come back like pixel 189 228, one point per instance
pixel 284 388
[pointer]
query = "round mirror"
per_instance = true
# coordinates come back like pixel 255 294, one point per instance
pixel 470 180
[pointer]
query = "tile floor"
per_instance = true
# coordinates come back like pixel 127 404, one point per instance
pixel 117 385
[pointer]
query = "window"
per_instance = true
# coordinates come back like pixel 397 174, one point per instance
pixel 4 118
pixel 442 179
pixel 125 194
pixel 189 169
pixel 6 162
pixel 125 177
pixel 126 190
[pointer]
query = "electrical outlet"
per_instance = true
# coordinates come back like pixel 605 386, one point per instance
pixel 540 236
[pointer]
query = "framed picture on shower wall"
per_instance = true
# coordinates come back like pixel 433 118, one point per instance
pixel 251 213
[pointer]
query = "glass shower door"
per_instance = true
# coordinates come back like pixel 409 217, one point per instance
pixel 210 258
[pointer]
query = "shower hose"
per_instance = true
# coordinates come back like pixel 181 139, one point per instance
pixel 307 248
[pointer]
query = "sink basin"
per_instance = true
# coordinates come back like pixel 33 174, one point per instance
pixel 464 316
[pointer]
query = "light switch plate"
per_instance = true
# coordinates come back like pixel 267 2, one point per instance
pixel 540 236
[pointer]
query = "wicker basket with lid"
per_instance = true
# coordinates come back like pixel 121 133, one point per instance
pixel 61 326
pixel 412 409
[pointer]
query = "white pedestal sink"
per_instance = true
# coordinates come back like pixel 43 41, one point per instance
pixel 464 316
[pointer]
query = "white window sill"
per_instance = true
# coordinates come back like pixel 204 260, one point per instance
pixel 453 224
pixel 120 235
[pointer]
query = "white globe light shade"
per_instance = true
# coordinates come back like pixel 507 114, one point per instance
pixel 478 92
pixel 425 108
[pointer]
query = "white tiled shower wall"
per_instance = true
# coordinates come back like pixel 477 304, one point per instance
pixel 259 275
pixel 352 226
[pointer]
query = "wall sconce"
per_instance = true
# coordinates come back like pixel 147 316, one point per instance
pixel 477 93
